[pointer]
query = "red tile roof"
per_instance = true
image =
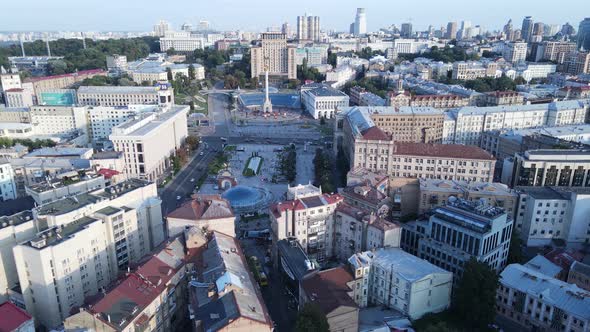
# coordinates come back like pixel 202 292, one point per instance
pixel 375 134
pixel 11 317
pixel 79 73
pixel 328 289
pixel 300 204
pixel 441 150
pixel 107 173
pixel 14 90
pixel 564 258
pixel 204 207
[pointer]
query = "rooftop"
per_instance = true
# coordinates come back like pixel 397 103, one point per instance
pixel 326 92
pixel 305 203
pixel 581 268
pixel 16 219
pixel 76 74
pixel 456 151
pixel 12 317
pixel 567 297
pixel 543 265
pixel 478 217
pixel 329 289
pixel 58 152
pixel 117 89
pixel 56 235
pixel 295 259
pixel 408 266
pixel 147 123
pixel 204 207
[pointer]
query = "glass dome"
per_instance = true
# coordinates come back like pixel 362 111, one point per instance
pixel 244 198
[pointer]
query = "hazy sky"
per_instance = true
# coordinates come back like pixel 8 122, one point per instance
pixel 136 15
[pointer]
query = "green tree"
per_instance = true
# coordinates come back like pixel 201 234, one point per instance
pixel 170 51
pixel 192 142
pixel 191 72
pixel 169 75
pixel 475 295
pixel 311 319
pixel 439 327
pixel 515 251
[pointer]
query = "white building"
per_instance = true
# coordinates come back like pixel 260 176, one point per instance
pixel 59 120
pixel 7 181
pixel 18 98
pixel 401 281
pixel 515 52
pixel 181 41
pixel 161 94
pixel 534 301
pixel 148 141
pixel 9 81
pixel 536 70
pixel 83 243
pixel 64 186
pixel 324 102
pixel 102 119
pixel 338 77
pixel 410 46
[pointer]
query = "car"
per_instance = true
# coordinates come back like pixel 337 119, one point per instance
pixel 178 198
pixel 201 153
pixel 193 180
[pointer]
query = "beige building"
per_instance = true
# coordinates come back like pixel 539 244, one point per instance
pixel 498 98
pixel 463 70
pixel 59 120
pixel 152 298
pixel 148 142
pixel 49 83
pixel 434 193
pixel 207 212
pixel 18 115
pixel 515 52
pixel 577 63
pixel 439 101
pixel 18 98
pixel 275 55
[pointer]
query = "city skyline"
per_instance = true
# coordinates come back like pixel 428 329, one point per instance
pixel 238 15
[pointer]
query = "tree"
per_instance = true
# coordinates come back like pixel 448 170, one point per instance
pixel 170 51
pixel 191 72
pixel 311 319
pixel 475 296
pixel 515 251
pixel 192 142
pixel 169 75
pixel 439 327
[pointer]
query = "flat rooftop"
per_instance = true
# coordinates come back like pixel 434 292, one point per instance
pixel 56 235
pixel 159 119
pixel 408 266
pixel 117 89
pixel 295 258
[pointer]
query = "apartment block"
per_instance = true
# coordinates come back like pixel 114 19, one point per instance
pixel 58 188
pixel 50 83
pixel 7 181
pixel 458 231
pixel 148 141
pixel 534 301
pixel 395 279
pixel 498 98
pixel 59 120
pixel 515 52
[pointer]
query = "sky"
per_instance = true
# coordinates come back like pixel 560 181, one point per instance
pixel 256 15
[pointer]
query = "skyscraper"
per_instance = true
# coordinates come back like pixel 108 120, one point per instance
pixel 584 34
pixel 451 30
pixel 538 32
pixel 302 27
pixel 308 28
pixel 406 30
pixel 527 28
pixel 161 28
pixel 360 23
pixel 286 29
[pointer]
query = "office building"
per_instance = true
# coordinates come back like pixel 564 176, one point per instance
pixel 360 22
pixel 401 281
pixel 293 265
pixel 549 167
pixel 308 28
pixel 116 63
pixel 59 120
pixel 324 102
pixel 210 212
pixel 547 214
pixel 275 56
pixel 161 28
pixel 577 63
pixel 538 32
pixel 51 83
pixel 459 231
pixel 533 301
pixel 7 181
pixel 149 141
pixel 332 292
pixel 108 229
pixel 584 34
pixel 102 119
pixel 556 51
pixel 224 294
pixel 112 96
pixel 451 32
pixel 181 41
pixel 286 29
pixel 406 31
pixel 316 56
pixel 515 52
pixel 527 29
pixel 434 193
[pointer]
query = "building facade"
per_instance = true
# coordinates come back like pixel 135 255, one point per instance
pixel 273 55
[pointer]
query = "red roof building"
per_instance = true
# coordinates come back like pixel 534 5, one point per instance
pixel 13 318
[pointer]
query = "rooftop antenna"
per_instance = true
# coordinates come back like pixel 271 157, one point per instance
pixel 22 45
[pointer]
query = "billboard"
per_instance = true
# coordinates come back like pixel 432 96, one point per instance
pixel 58 98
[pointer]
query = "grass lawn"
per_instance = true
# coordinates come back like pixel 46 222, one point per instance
pixel 248 171
pixel 218 163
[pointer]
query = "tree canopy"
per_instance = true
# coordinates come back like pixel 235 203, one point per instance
pixel 311 319
pixel 475 296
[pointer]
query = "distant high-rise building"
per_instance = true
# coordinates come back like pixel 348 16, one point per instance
pixel 273 55
pixel 406 30
pixel 567 30
pixel 302 29
pixel 186 27
pixel 538 32
pixel 465 32
pixel 515 52
pixel 584 34
pixel 509 30
pixel 161 28
pixel 527 28
pixel 308 28
pixel 550 30
pixel 351 29
pixel 451 30
pixel 360 23
pixel 286 29
pixel 203 25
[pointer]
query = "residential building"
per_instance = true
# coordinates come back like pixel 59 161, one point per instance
pixel 151 298
pixel 498 98
pixel 401 281
pixel 324 102
pixel 308 28
pixel 148 141
pixel 310 220
pixel 435 193
pixel 18 98
pixel 224 294
pixel 459 231
pixel 9 80
pixel 275 56
pixel 451 32
pixel 15 115
pixel 471 70
pixel 113 96
pixel 546 214
pixel 161 28
pixel 7 181
pixel 50 83
pixel 68 184
pixel 563 168
pixel 339 76
pixel 543 265
pixel 116 63
pixel 208 212
pixel 314 55
pixel 515 52
pixel 367 196
pixel 557 51
pixel 438 101
pixel 584 34
pixel 580 275
pixel 15 319
pixel 534 301
pixel 108 229
pixel 14 229
pixel 360 22
pixel 577 63
pixel 59 120
pixel 332 290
